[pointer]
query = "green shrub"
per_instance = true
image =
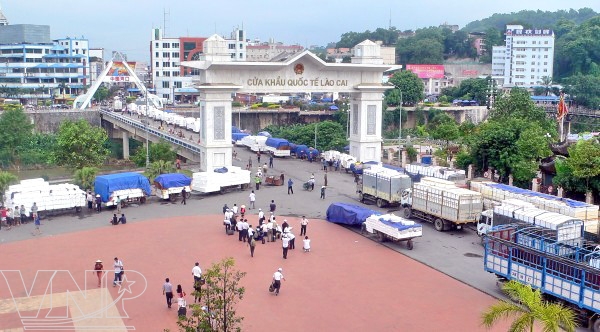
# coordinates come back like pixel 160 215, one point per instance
pixel 236 104
pixel 273 106
pixel 444 104
pixel 255 106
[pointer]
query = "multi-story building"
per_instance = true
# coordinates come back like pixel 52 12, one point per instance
pixel 271 50
pixel 433 76
pixel 37 67
pixel 171 81
pixel 96 63
pixel 526 57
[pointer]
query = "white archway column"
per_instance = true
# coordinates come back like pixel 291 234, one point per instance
pixel 365 122
pixel 215 126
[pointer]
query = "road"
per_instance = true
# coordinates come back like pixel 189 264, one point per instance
pixel 456 253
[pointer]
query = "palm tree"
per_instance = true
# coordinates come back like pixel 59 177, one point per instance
pixel 159 167
pixel 547 84
pixel 85 177
pixel 529 307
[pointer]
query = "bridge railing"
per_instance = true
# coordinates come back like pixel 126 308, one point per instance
pixel 143 127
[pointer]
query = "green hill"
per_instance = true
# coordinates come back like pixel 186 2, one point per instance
pixel 530 19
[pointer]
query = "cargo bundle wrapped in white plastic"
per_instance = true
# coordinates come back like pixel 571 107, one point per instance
pixel 47 197
pixel 206 182
pixel 382 185
pixel 392 227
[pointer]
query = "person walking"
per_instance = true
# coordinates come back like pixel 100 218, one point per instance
pixel 272 206
pixel 98 203
pixel 118 266
pixel 285 243
pixel 197 273
pixel 240 228
pixel 245 228
pixel 37 224
pixel 261 217
pixel 322 192
pixel 257 180
pixel 34 211
pixel 285 225
pixel 168 292
pixel 292 238
pixel 252 197
pixel 290 184
pixel 99 271
pixel 264 231
pixel 303 224
pixel 265 168
pixel 119 204
pixel 271 161
pixel 277 277
pixel 270 231
pixel 258 157
pixel 183 196
pixel 234 208
pixel 252 245
pixel 250 162
pixel 23 215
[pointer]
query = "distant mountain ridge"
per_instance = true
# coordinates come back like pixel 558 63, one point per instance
pixel 530 19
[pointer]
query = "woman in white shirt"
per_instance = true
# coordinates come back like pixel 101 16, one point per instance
pixel 306 244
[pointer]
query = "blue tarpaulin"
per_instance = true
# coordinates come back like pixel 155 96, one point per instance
pixel 348 214
pixel 221 170
pixel 105 185
pixel 238 136
pixel 235 129
pixel 293 148
pixel 172 180
pixel 277 142
pixel 264 133
pixel 397 224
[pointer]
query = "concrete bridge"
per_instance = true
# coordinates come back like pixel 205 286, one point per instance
pixel 475 114
pixel 122 126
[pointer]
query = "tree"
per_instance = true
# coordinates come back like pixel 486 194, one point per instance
pixel 15 129
pixel 84 177
pixel 78 145
pixel 6 179
pixel 447 131
pixel 546 83
pixel 159 167
pixel 161 151
pixel 584 159
pixel 585 90
pixel 411 86
pixel 221 293
pixel 528 309
pixel 101 94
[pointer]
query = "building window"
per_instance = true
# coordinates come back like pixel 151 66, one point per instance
pixel 165 84
pixel 533 42
pixel 232 46
pixel 157 64
pixel 166 95
pixel 166 64
pixel 176 55
pixel 241 46
pixel 175 74
pixel 534 49
pixel 532 76
pixel 241 55
pixel 546 56
pixel 156 55
pixel 167 73
pixel 533 63
pixel 165 45
pixel 156 44
pixel 157 73
pixel 545 70
pixel 177 85
pixel 545 63
pixel 532 70
pixel 165 54
pixel 546 42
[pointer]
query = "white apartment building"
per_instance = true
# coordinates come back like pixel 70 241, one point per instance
pixel 172 82
pixel 526 57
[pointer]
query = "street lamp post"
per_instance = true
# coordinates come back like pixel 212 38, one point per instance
pixel 146 122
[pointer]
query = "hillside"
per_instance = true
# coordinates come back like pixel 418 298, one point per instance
pixel 530 18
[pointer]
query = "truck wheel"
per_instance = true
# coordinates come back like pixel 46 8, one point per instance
pixel 407 212
pixel 409 244
pixel 380 237
pixel 596 325
pixel 380 203
pixel 188 195
pixel 438 224
pixel 173 197
pixel 78 209
pixel 363 229
pixel 143 200
pixel 361 197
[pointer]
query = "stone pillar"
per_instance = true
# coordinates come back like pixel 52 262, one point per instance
pixel 390 156
pixel 589 198
pixel 419 158
pixel 560 192
pixel 404 158
pixel 470 172
pixel 215 126
pixel 434 161
pixel 125 145
pixel 535 185
pixel 451 163
pixel 365 123
pixel 510 179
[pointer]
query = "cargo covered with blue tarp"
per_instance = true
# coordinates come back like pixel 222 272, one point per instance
pixel 277 143
pixel 172 180
pixel 238 136
pixel 348 214
pixel 105 185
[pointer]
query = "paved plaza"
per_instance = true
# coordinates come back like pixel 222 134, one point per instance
pixel 346 283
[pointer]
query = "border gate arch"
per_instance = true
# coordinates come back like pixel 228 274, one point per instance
pixel 219 77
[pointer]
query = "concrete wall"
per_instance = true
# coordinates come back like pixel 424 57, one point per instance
pixel 49 121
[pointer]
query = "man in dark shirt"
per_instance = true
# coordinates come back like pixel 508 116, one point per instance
pixel 272 206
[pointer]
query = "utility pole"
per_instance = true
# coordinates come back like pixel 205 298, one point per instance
pixel 400 128
pixel 147 127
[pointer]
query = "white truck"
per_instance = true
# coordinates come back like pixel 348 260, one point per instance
pixel 442 203
pixel 394 228
pixel 49 198
pixel 383 186
pixel 170 186
pixel 208 182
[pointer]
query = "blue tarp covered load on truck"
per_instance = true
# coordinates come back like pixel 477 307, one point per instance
pixel 121 183
pixel 279 147
pixel 348 214
pixel 171 180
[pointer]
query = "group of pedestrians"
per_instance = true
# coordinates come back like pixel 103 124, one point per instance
pixel 198 282
pixel 15 216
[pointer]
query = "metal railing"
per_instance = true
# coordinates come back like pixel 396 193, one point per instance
pixel 193 147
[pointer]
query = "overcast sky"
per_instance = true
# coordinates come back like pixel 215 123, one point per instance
pixel 125 25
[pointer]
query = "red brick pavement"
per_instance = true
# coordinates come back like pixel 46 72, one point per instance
pixel 346 283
